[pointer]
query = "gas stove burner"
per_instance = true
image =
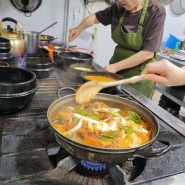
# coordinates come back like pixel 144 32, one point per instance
pixel 93 166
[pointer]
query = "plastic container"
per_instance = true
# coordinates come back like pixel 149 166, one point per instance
pixel 172 42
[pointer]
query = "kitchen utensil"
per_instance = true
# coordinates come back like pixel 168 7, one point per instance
pixel 67 46
pixel 48 27
pixel 89 89
pixel 15 36
pixel 102 155
pixel 176 7
pixel 182 4
pixel 109 90
pixel 164 1
pixel 59 49
pixel 32 40
pixel 76 48
pixel 42 67
pixel 26 6
pixel 17 88
pixel 78 68
pixel 71 57
pixel 46 39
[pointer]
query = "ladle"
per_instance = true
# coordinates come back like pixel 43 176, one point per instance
pixel 48 27
pixel 88 90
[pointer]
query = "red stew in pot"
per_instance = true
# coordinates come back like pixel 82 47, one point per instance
pixel 98 125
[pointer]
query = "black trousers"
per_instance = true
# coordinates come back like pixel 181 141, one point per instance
pixel 168 104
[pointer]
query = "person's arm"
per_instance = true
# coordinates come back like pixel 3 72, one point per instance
pixel 131 61
pixel 165 73
pixel 87 22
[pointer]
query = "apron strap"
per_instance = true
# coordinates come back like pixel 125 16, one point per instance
pixel 122 18
pixel 141 21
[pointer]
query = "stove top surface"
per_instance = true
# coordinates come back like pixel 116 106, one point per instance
pixel 26 136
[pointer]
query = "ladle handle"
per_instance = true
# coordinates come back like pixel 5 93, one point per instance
pixel 133 79
pixel 48 27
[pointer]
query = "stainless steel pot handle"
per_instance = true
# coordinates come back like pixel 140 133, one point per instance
pixel 149 153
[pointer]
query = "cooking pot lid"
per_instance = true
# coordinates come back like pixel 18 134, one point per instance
pixel 164 1
pixel 26 6
pixel 183 4
pixel 176 7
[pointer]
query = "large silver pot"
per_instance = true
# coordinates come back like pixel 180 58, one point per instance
pixel 17 88
pixel 32 40
pixel 102 155
pixel 26 7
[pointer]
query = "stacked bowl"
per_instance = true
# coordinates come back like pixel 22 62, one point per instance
pixel 5 47
pixel 17 88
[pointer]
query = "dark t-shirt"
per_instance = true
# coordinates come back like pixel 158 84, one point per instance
pixel 153 23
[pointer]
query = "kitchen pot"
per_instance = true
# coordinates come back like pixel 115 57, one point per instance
pixel 109 90
pixel 164 1
pixel 177 7
pixel 26 6
pixel 182 4
pixel 32 40
pixel 79 68
pixel 46 39
pixel 17 88
pixel 71 57
pixel 42 67
pixel 101 155
pixel 15 35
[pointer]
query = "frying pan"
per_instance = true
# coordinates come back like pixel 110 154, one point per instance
pixel 101 155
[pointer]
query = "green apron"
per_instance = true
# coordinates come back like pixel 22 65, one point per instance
pixel 128 45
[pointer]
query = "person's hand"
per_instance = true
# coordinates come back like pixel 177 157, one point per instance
pixel 112 68
pixel 165 73
pixel 73 33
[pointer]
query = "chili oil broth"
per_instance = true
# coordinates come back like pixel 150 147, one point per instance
pixel 64 121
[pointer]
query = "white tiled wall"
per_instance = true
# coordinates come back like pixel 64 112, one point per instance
pixel 49 12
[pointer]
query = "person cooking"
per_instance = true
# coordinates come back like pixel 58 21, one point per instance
pixel 137 28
